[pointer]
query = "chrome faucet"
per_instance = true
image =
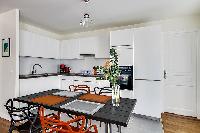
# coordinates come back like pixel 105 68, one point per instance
pixel 34 70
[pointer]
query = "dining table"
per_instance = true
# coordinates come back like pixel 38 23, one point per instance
pixel 67 102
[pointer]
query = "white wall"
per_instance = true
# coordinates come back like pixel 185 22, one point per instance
pixel 9 66
pixel 38 30
pixel 48 65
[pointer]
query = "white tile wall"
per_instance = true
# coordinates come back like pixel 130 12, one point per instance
pixel 52 65
pixel 48 65
pixel 86 64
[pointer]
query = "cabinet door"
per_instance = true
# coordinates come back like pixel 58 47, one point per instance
pixel 121 37
pixel 88 45
pixel 149 98
pixel 35 85
pixel 26 43
pixel 35 45
pixel 103 47
pixel 125 56
pixel 66 81
pixel 148 53
pixel 70 49
pixel 52 48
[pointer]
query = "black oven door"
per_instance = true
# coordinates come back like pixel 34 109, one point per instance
pixel 126 82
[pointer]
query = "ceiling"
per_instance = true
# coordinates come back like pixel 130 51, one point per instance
pixel 63 16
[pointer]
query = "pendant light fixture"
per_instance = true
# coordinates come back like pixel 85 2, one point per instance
pixel 86 20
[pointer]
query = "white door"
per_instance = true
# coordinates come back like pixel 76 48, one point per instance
pixel 180 65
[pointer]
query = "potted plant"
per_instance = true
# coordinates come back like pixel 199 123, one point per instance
pixel 111 72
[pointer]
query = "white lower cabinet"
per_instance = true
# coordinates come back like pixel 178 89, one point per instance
pixel 35 85
pixel 149 98
pixel 126 94
pixel 66 81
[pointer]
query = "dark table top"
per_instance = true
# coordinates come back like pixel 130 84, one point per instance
pixel 108 114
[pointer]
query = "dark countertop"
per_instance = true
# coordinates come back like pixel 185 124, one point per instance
pixel 55 74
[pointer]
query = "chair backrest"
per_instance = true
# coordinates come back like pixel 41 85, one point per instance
pixel 16 114
pixel 52 124
pixel 104 90
pixel 80 88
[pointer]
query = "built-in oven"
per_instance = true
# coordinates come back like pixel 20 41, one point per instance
pixel 126 77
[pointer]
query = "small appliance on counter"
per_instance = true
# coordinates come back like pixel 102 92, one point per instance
pixel 86 72
pixel 64 68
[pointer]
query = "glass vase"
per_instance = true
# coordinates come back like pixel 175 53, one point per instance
pixel 115 95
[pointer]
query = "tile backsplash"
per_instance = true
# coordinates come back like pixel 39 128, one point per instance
pixel 48 65
pixel 52 65
pixel 84 64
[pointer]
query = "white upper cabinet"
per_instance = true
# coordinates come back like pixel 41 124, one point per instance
pixel 69 49
pixel 121 37
pixel 103 47
pixel 35 45
pixel 148 53
pixel 97 45
pixel 26 43
pixel 125 56
pixel 88 45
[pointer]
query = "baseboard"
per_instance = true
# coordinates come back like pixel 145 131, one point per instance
pixel 184 112
pixel 6 117
pixel 146 117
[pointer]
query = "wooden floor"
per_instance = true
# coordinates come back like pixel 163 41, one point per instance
pixel 173 123
pixel 4 125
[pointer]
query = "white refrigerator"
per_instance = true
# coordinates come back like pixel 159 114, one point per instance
pixel 148 71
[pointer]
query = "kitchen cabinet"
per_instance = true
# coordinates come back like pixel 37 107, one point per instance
pixel 102 49
pixel 121 37
pixel 35 85
pixel 148 55
pixel 35 45
pixel 26 43
pixel 149 98
pixel 70 49
pixel 66 81
pixel 126 94
pixel 97 45
pixel 88 45
pixel 125 56
pixel 148 70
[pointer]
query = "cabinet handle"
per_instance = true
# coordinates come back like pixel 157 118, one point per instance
pixel 63 79
pixel 165 74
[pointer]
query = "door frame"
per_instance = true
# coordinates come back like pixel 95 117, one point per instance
pixel 198 76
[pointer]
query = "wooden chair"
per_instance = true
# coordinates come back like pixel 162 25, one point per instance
pixel 51 124
pixel 22 119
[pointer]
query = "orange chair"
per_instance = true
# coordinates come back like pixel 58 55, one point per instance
pixel 79 88
pixel 51 124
